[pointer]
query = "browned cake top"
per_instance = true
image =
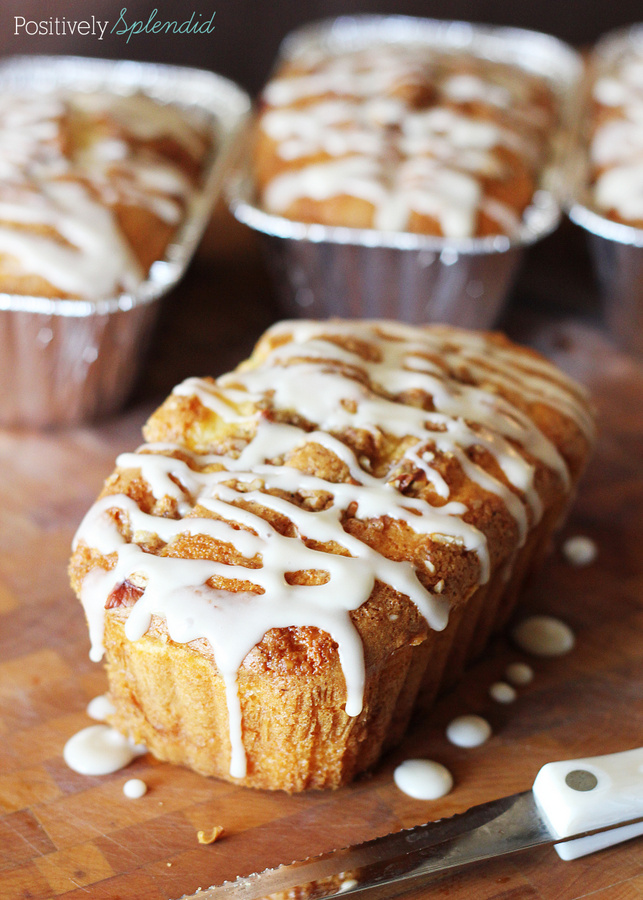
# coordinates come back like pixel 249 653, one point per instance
pixel 403 138
pixel 92 185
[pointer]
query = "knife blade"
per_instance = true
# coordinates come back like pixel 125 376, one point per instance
pixel 579 806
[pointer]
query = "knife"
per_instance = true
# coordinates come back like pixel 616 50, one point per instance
pixel 580 806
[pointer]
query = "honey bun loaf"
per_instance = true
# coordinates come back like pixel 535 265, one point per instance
pixel 615 126
pixel 403 137
pixel 93 187
pixel 310 547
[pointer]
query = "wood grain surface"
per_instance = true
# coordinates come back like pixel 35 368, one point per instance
pixel 69 836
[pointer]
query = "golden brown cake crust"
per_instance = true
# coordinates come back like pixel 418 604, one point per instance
pixel 285 550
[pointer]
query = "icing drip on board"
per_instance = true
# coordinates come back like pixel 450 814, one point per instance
pixel 135 788
pixel 468 731
pixel 502 692
pixel 229 497
pixel 519 674
pixel 423 779
pixel 544 636
pixel 580 550
pixel 100 750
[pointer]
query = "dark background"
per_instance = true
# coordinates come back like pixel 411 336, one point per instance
pixel 247 32
pixel 556 276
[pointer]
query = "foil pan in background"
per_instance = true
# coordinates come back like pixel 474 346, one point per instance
pixel 332 271
pixel 64 362
pixel 616 249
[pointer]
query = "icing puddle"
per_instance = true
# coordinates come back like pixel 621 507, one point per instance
pixel 468 731
pixel 100 750
pixel 135 788
pixel 543 636
pixel 580 550
pixel 423 779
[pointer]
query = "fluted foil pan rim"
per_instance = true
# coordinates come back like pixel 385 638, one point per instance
pixel 355 31
pixel 222 106
pixel 604 227
pixel 541 219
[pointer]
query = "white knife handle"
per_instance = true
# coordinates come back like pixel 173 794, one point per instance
pixel 581 795
pixel 592 843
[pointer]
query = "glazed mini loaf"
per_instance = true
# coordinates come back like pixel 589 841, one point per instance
pixel 307 548
pixel 93 186
pixel 616 136
pixel 403 137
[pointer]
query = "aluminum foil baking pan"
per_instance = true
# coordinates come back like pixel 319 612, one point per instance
pixel 332 271
pixel 69 361
pixel 616 249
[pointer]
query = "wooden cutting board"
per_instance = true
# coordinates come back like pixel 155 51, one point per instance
pixel 70 836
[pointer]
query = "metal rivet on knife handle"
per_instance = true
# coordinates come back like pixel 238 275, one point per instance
pixel 581 780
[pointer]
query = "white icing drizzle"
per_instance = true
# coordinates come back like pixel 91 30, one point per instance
pixel 144 118
pixel 30 132
pixel 621 188
pixel 337 392
pixel 467 87
pixel 339 127
pixel 348 74
pixel 423 779
pixel 61 191
pixel 544 636
pixel 351 135
pixel 616 147
pixel 99 750
pixel 468 731
pixel 94 259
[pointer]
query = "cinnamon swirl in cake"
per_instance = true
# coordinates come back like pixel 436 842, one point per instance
pixel 403 137
pixel 306 549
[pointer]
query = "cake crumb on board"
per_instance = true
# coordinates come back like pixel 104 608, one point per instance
pixel 209 837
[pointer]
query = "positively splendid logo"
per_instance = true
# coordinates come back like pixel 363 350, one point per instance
pixel 123 26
